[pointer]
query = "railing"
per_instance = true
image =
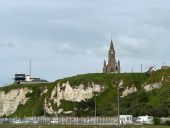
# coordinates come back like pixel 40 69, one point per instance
pixel 61 120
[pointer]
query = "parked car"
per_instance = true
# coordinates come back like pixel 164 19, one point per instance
pixel 54 121
pixel 145 119
pixel 17 122
pixel 35 122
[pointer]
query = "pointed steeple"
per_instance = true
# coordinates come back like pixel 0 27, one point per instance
pixel 104 63
pixel 104 67
pixel 118 62
pixel 119 66
pixel 111 46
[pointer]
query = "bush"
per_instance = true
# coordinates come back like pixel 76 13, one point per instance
pixel 156 120
pixel 167 122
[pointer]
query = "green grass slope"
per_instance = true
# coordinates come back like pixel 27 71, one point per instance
pixel 155 102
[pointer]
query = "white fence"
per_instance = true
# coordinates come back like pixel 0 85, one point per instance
pixel 61 120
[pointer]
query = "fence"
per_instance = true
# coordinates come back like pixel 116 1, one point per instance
pixel 61 120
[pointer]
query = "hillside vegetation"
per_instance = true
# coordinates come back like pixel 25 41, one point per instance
pixel 155 102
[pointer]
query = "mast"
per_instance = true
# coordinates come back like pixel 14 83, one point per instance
pixel 30 69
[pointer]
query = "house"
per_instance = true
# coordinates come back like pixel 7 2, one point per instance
pixel 165 67
pixel 151 69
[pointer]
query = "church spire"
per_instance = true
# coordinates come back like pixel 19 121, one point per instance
pixel 104 63
pixel 112 66
pixel 118 61
pixel 104 67
pixel 111 46
pixel 118 66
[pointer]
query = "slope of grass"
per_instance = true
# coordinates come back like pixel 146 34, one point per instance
pixel 137 103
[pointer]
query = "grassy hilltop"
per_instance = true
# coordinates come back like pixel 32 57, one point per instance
pixel 155 102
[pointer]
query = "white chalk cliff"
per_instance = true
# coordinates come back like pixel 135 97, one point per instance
pixel 9 101
pixel 77 93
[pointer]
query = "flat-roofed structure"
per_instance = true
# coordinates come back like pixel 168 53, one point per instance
pixel 24 79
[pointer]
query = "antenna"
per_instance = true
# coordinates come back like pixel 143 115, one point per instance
pixel 30 68
pixel 141 68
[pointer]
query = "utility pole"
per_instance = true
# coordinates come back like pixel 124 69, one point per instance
pixel 95 105
pixel 74 109
pixel 95 108
pixel 118 106
pixel 74 113
pixel 44 113
pixel 44 117
pixel 74 104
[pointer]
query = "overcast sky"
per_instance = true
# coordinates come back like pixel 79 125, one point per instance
pixel 70 37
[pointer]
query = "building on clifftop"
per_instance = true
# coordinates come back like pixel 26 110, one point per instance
pixel 113 66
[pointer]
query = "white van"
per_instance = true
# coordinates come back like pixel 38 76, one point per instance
pixel 145 119
pixel 126 119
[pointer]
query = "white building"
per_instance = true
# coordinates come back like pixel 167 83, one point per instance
pixel 126 119
pixel 26 79
pixel 152 69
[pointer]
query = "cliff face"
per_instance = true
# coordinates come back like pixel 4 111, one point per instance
pixel 78 94
pixel 9 101
pixel 72 94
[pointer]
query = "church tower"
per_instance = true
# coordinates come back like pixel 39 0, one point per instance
pixel 113 66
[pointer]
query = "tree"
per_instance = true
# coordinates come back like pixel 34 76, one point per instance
pixel 156 120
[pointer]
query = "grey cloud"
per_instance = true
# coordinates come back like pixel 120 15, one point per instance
pixel 53 33
pixel 135 47
pixel 69 49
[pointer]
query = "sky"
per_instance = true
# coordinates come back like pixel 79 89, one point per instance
pixel 68 37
